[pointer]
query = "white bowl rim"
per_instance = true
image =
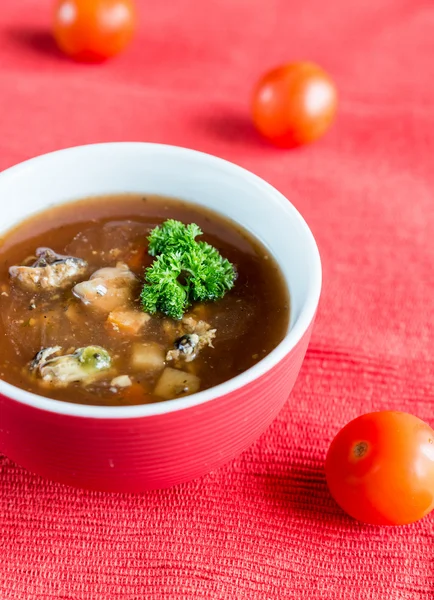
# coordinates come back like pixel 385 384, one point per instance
pixel 293 336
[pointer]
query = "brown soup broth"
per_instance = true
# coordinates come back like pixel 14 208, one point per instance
pixel 250 320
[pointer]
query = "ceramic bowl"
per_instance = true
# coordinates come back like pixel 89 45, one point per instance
pixel 135 448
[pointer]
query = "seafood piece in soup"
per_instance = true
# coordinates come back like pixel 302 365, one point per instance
pixel 107 289
pixel 84 366
pixel 198 335
pixel 50 271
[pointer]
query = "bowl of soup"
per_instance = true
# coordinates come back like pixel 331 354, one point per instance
pixel 156 304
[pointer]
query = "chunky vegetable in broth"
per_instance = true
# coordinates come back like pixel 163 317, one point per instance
pixel 73 325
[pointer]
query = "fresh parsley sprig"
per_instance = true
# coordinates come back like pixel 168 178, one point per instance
pixel 184 270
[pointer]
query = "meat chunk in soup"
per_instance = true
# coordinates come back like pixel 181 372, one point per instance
pixel 50 271
pixel 84 366
pixel 107 289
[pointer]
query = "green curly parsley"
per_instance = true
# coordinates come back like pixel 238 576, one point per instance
pixel 184 270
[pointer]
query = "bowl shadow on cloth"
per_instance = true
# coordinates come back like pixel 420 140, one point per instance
pixel 293 492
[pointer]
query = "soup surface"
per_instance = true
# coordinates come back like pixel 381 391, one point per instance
pixel 72 326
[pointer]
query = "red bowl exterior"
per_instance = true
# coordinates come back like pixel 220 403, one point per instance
pixel 137 454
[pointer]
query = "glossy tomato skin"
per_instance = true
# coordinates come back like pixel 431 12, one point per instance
pixel 380 468
pixel 294 104
pixel 93 30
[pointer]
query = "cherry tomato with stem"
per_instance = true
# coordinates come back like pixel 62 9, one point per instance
pixel 294 104
pixel 380 468
pixel 93 30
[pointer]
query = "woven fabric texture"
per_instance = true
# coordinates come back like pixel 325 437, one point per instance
pixel 264 527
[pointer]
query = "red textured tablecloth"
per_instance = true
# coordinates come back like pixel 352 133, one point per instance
pixel 264 527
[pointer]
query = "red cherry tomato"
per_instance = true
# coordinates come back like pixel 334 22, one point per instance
pixel 380 468
pixel 294 104
pixel 93 30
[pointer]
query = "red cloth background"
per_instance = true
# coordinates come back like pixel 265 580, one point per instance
pixel 264 527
